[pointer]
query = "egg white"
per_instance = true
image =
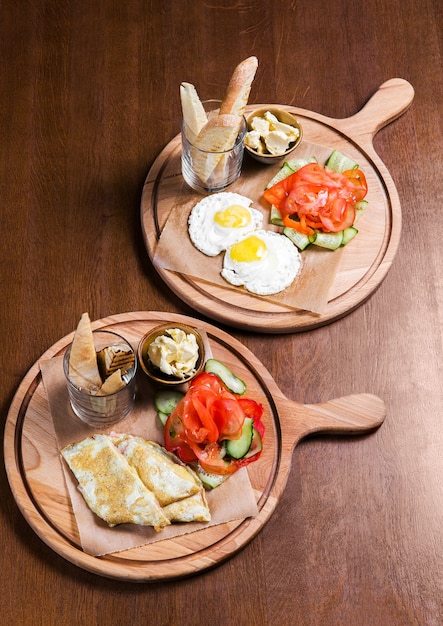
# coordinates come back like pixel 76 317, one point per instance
pixel 273 273
pixel 212 238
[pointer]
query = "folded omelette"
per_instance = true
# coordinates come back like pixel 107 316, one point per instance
pixel 126 479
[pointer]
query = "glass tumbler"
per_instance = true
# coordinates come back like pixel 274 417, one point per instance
pixel 102 411
pixel 209 171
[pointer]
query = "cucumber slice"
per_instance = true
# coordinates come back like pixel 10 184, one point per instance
pixel 210 481
pixel 275 216
pixel 232 382
pixel 288 168
pixel 256 444
pixel 360 208
pixel 165 400
pixel 239 447
pixel 348 234
pixel 162 417
pixel 299 239
pixel 331 241
pixel 296 164
pixel 339 162
pixel 285 171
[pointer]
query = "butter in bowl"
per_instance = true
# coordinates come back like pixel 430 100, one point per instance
pixel 273 133
pixel 172 354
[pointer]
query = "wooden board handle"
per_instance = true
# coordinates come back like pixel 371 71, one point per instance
pixel 388 103
pixel 353 414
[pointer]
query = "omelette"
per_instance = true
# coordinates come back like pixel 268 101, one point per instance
pixel 159 470
pixel 192 509
pixel 127 479
pixel 110 486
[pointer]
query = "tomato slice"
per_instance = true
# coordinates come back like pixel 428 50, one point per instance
pixel 340 215
pixel 317 197
pixel 358 182
pixel 175 439
pixel 211 459
pixel 205 417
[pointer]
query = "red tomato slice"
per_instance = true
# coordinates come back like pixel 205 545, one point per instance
pixel 319 198
pixel 175 439
pixel 340 215
pixel 228 417
pixel 211 459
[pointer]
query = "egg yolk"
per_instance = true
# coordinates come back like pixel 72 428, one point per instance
pixel 234 216
pixel 250 249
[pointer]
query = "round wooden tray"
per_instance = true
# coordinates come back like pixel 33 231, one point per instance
pixel 35 473
pixel 363 264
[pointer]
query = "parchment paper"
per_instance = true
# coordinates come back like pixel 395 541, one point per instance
pixel 232 500
pixel 309 291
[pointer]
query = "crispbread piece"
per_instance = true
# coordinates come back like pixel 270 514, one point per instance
pixel 113 358
pixel 83 369
pixel 110 486
pixel 194 115
pixel 112 384
pixel 237 94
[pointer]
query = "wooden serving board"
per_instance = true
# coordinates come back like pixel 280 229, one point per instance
pixel 35 472
pixel 364 263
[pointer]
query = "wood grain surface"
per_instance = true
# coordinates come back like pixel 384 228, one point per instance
pixel 363 265
pixel 34 470
pixel 89 99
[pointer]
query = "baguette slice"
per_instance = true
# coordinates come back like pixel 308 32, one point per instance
pixel 217 136
pixel 239 88
pixel 194 115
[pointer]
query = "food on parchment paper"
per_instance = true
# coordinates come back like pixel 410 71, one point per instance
pixel 126 479
pixel 212 428
pixel 318 204
pixel 221 219
pixel 264 262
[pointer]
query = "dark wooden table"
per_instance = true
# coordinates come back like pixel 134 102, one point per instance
pixel 89 97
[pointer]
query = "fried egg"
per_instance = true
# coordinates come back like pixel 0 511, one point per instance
pixel 264 262
pixel 219 220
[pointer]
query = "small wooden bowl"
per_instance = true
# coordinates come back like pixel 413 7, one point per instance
pixel 283 116
pixel 153 372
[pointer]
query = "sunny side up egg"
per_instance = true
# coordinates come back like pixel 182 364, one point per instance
pixel 218 221
pixel 264 262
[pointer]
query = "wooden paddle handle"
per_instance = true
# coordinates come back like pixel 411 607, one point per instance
pixel 353 414
pixel 390 101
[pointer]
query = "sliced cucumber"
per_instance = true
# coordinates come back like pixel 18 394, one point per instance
pixel 165 400
pixel 237 448
pixel 210 481
pixel 339 162
pixel 232 382
pixel 275 216
pixel 299 239
pixel 331 241
pixel 360 208
pixel 256 444
pixel 285 171
pixel 162 417
pixel 288 168
pixel 348 234
pixel 296 164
